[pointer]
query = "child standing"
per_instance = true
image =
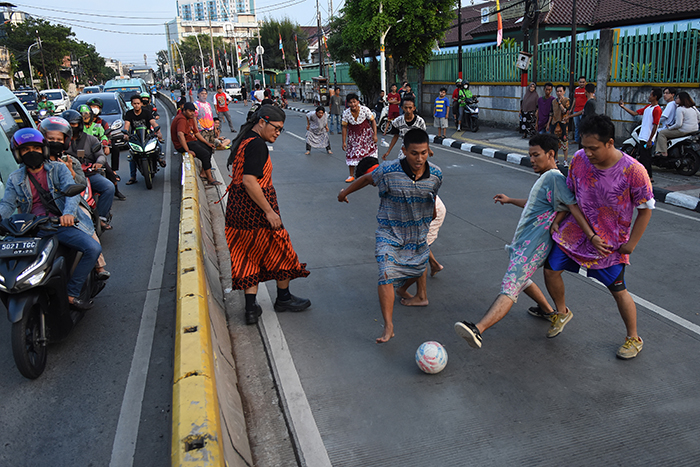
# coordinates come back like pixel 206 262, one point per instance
pixel 317 130
pixel 407 191
pixel 401 125
pixel 442 106
pixel 532 241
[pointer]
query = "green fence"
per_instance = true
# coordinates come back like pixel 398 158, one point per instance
pixel 663 57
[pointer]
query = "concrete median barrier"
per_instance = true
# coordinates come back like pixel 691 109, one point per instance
pixel 208 426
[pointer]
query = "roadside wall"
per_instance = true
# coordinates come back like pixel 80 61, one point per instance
pixel 208 420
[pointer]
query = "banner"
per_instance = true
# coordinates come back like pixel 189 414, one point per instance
pixel 239 53
pixel 499 35
pixel 296 47
pixel 282 49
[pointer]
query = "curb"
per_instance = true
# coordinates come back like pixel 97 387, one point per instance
pixel 196 423
pixel 661 195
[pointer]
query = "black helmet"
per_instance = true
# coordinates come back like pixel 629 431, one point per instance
pixel 72 117
pixel 56 124
pixel 465 84
pixel 95 101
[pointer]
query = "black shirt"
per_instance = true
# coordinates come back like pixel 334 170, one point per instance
pixel 255 155
pixel 408 171
pixel 588 109
pixel 141 120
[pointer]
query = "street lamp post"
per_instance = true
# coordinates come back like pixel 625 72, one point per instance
pixel 184 70
pixel 29 60
pixel 382 54
pixel 201 57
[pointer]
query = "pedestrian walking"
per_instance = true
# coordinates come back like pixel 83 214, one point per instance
pixel 686 122
pixel 359 134
pixel 407 191
pixel 260 246
pixel 651 115
pixel 528 111
pixel 205 116
pixel 544 108
pixel 222 99
pixel 293 92
pixel 394 99
pixel 558 122
pixel 440 112
pixel 401 125
pixel 317 130
pixel 668 116
pixel 455 102
pixel 576 112
pixel 336 110
pixel 244 94
pixel 608 186
pixel 532 241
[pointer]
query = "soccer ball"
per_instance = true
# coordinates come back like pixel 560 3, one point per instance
pixel 431 357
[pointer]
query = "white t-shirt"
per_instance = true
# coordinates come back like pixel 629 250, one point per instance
pixel 652 115
pixel 259 95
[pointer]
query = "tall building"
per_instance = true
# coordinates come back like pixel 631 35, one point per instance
pixel 216 10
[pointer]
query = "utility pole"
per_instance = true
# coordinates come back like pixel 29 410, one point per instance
pixel 572 63
pixel 459 39
pixel 320 41
pixel 43 65
pixel 260 52
pixel 201 57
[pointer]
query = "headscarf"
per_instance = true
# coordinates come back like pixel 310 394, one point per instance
pixel 529 102
pixel 268 112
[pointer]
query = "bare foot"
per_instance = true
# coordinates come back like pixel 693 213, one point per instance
pixel 388 334
pixel 330 152
pixel 403 294
pixel 434 269
pixel 414 301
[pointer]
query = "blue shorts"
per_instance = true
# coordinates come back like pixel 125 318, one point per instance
pixel 612 277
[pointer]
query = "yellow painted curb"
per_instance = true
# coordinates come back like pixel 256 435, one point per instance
pixel 196 429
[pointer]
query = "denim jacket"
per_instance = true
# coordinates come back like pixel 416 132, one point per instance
pixel 18 194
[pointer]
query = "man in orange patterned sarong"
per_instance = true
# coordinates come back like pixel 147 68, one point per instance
pixel 258 242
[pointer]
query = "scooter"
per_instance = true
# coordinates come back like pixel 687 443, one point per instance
pixel 34 272
pixel 145 150
pixel 683 152
pixel 383 119
pixel 470 115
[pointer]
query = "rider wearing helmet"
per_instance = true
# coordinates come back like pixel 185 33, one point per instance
pixel 36 187
pixel 94 160
pixel 455 101
pixel 92 128
pixel 140 116
pixel 146 101
pixel 464 95
pixel 96 105
pixel 45 104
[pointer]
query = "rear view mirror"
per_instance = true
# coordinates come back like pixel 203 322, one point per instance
pixel 73 190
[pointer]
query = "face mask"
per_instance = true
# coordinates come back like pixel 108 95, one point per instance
pixel 33 159
pixel 56 148
pixel 77 130
pixel 95 110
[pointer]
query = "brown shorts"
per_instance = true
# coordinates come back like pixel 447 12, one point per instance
pixel 208 136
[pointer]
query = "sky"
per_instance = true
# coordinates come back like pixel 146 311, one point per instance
pixel 128 29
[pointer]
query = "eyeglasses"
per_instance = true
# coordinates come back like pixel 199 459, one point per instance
pixel 278 128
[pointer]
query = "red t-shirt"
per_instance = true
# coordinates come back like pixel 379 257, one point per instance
pixel 455 94
pixel 185 125
pixel 38 208
pixel 221 100
pixel 579 99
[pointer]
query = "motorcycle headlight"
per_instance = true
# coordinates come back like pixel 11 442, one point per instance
pixel 36 271
pixel 135 147
pixel 151 146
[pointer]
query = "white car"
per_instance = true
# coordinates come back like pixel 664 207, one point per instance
pixel 59 97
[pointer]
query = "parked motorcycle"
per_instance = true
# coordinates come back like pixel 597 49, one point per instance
pixel 470 116
pixel 145 151
pixel 34 272
pixel 683 152
pixel 383 119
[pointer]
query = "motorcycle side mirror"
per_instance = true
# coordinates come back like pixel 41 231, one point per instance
pixel 73 190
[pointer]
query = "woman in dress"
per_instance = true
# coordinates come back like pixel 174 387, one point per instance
pixel 528 110
pixel 359 134
pixel 317 130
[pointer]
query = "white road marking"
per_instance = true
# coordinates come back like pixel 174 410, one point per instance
pixel 302 425
pixel 295 136
pixel 638 300
pixel 125 437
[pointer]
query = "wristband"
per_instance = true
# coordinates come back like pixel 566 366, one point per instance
pixel 594 235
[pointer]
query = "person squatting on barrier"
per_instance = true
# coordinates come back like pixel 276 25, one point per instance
pixel 260 247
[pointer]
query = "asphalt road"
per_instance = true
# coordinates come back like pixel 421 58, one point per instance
pixel 522 399
pixel 71 414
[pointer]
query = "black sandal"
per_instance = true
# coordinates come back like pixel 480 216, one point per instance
pixel 131 181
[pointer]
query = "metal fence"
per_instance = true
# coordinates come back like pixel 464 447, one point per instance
pixel 661 57
pixel 639 56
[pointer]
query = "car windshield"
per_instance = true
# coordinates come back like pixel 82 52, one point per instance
pixel 126 92
pixel 110 106
pixel 54 96
pixel 232 85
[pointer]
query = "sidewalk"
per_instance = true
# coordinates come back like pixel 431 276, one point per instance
pixel 509 146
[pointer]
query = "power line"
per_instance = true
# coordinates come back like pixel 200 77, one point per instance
pixel 83 13
pixel 107 24
pixel 108 30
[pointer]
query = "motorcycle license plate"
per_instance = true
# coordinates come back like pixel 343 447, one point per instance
pixel 18 248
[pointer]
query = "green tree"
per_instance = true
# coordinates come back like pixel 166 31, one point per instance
pixel 270 34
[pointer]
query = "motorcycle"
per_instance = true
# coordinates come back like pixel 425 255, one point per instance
pixel 145 151
pixel 383 119
pixel 34 272
pixel 470 115
pixel 683 152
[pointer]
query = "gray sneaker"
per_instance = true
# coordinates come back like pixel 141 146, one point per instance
pixel 558 323
pixel 469 333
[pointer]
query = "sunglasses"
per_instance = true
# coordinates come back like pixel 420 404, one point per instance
pixel 278 128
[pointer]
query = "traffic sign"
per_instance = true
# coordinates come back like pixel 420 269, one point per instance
pixel 260 50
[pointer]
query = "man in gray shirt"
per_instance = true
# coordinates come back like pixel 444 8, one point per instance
pixel 336 110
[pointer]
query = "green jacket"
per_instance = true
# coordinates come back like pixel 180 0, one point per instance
pixel 48 105
pixel 464 94
pixel 95 130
